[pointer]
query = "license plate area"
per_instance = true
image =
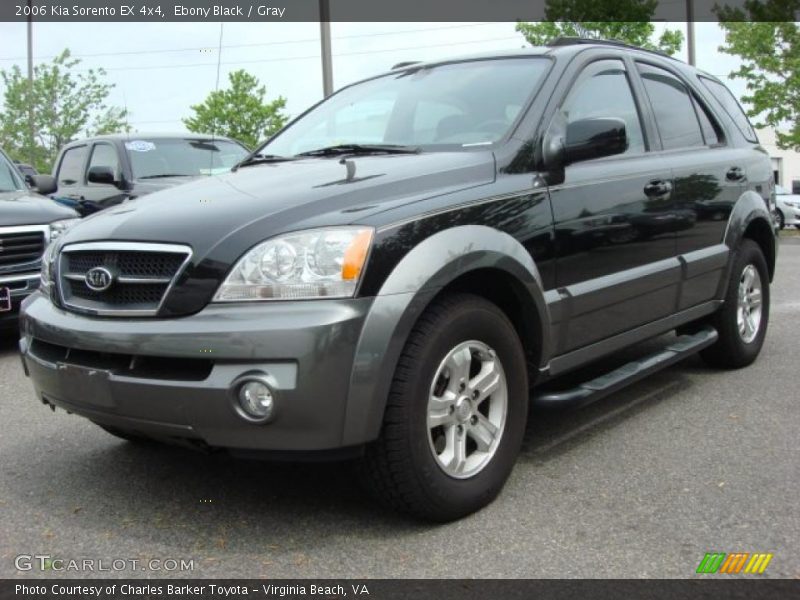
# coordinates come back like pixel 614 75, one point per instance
pixel 5 299
pixel 85 385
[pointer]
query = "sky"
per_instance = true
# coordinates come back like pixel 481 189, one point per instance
pixel 161 69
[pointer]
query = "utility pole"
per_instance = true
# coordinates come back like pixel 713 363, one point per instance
pixel 325 43
pixel 31 132
pixel 690 32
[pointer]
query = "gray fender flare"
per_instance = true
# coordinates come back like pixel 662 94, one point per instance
pixel 414 282
pixel 748 208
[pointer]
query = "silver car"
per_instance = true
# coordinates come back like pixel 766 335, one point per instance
pixel 788 207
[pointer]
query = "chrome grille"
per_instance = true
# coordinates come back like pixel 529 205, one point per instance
pixel 21 248
pixel 141 276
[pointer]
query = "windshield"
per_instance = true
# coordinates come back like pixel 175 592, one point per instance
pixel 443 107
pixel 165 157
pixel 9 179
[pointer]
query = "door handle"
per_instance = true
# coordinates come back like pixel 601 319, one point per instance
pixel 735 174
pixel 658 187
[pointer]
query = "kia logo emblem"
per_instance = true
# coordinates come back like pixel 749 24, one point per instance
pixel 98 279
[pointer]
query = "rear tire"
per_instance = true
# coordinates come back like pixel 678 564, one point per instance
pixel 742 320
pixel 456 413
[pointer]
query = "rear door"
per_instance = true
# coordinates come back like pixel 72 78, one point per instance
pixel 615 243
pixel 708 177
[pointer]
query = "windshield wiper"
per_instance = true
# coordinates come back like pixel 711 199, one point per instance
pixel 160 175
pixel 260 159
pixel 361 149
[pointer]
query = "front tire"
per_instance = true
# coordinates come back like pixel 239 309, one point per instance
pixel 456 413
pixel 781 220
pixel 742 320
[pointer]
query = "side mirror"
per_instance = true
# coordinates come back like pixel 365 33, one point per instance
pixel 104 175
pixel 594 138
pixel 44 184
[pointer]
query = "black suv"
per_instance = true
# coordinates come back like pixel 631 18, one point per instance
pixel 28 222
pixel 99 172
pixel 396 273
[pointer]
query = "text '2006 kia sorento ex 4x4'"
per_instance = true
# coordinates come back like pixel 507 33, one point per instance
pixel 395 274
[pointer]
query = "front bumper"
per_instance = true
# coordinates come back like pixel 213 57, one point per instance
pixel 171 378
pixel 21 285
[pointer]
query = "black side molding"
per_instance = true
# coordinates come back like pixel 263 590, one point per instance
pixel 601 386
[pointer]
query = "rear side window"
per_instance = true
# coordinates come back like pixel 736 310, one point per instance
pixel 724 96
pixel 70 171
pixel 711 130
pixel 673 108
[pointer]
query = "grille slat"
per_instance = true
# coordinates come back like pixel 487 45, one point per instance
pixel 20 248
pixel 130 294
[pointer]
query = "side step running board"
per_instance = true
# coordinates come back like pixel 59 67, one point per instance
pixel 592 390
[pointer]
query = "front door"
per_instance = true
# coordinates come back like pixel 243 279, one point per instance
pixel 614 221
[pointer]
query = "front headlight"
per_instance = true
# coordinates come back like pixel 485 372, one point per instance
pixel 319 263
pixel 57 228
pixel 46 274
pixel 792 203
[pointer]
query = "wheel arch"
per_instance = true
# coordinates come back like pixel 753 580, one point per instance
pixel 472 258
pixel 750 219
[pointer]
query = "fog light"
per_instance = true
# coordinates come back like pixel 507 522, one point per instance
pixel 256 400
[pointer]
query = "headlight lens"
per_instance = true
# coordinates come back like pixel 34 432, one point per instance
pixel 319 263
pixel 57 228
pixel 46 274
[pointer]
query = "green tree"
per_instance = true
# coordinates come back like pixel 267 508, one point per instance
pixel 239 112
pixel 67 104
pixel 623 20
pixel 767 40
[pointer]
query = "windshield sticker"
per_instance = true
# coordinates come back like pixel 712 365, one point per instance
pixel 140 146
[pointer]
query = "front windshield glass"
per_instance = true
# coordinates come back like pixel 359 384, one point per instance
pixel 9 179
pixel 443 107
pixel 165 157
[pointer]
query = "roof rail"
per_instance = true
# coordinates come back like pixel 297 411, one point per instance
pixel 407 63
pixel 577 41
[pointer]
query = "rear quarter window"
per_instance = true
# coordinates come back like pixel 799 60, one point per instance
pixel 731 106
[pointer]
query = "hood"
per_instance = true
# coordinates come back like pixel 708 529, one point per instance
pixel 221 217
pixel 26 208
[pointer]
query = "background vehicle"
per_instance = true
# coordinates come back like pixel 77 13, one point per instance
pixel 96 173
pixel 27 171
pixel 787 207
pixel 391 274
pixel 28 222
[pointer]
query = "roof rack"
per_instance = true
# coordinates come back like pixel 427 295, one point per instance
pixel 407 63
pixel 577 41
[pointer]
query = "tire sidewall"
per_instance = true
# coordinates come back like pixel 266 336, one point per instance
pixel 480 323
pixel 746 352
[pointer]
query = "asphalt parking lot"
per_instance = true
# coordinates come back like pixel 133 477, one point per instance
pixel 642 484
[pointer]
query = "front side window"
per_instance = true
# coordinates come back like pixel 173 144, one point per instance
pixel 177 157
pixel 603 91
pixel 444 107
pixel 70 172
pixel 673 108
pixel 104 155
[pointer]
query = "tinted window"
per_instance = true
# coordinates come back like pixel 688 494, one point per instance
pixel 724 96
pixel 603 90
pixel 444 107
pixel 104 155
pixel 711 131
pixel 70 171
pixel 673 109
